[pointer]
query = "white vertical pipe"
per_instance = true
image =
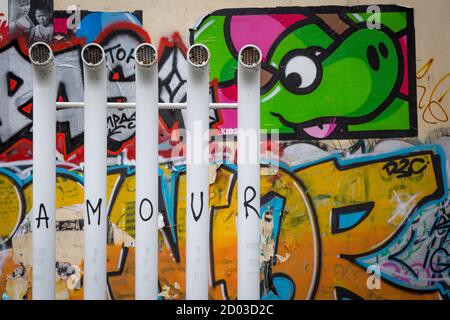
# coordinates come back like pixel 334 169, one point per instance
pixel 197 183
pixel 95 153
pixel 146 277
pixel 248 223
pixel 44 171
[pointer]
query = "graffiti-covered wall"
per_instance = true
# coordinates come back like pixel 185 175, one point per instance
pixel 356 187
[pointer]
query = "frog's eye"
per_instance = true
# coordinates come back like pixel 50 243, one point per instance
pixel 301 73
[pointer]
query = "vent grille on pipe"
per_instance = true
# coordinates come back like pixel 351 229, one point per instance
pixel 198 55
pixel 250 56
pixel 40 53
pixel 146 54
pixel 93 54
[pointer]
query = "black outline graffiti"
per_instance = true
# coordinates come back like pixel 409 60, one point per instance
pixel 281 275
pixel 25 132
pixel 395 256
pixel 122 262
pixel 165 55
pixel 341 293
pixel 170 238
pixel 71 143
pixel 221 283
pixel 10 76
pixel 7 243
pixel 439 193
pixel 266 199
pixel 336 213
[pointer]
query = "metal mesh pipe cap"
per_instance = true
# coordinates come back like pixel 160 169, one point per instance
pixel 198 55
pixel 250 56
pixel 92 54
pixel 146 55
pixel 40 53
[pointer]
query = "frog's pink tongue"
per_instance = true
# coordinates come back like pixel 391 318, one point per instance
pixel 321 131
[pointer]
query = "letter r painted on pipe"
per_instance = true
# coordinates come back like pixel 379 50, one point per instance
pixel 248 199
